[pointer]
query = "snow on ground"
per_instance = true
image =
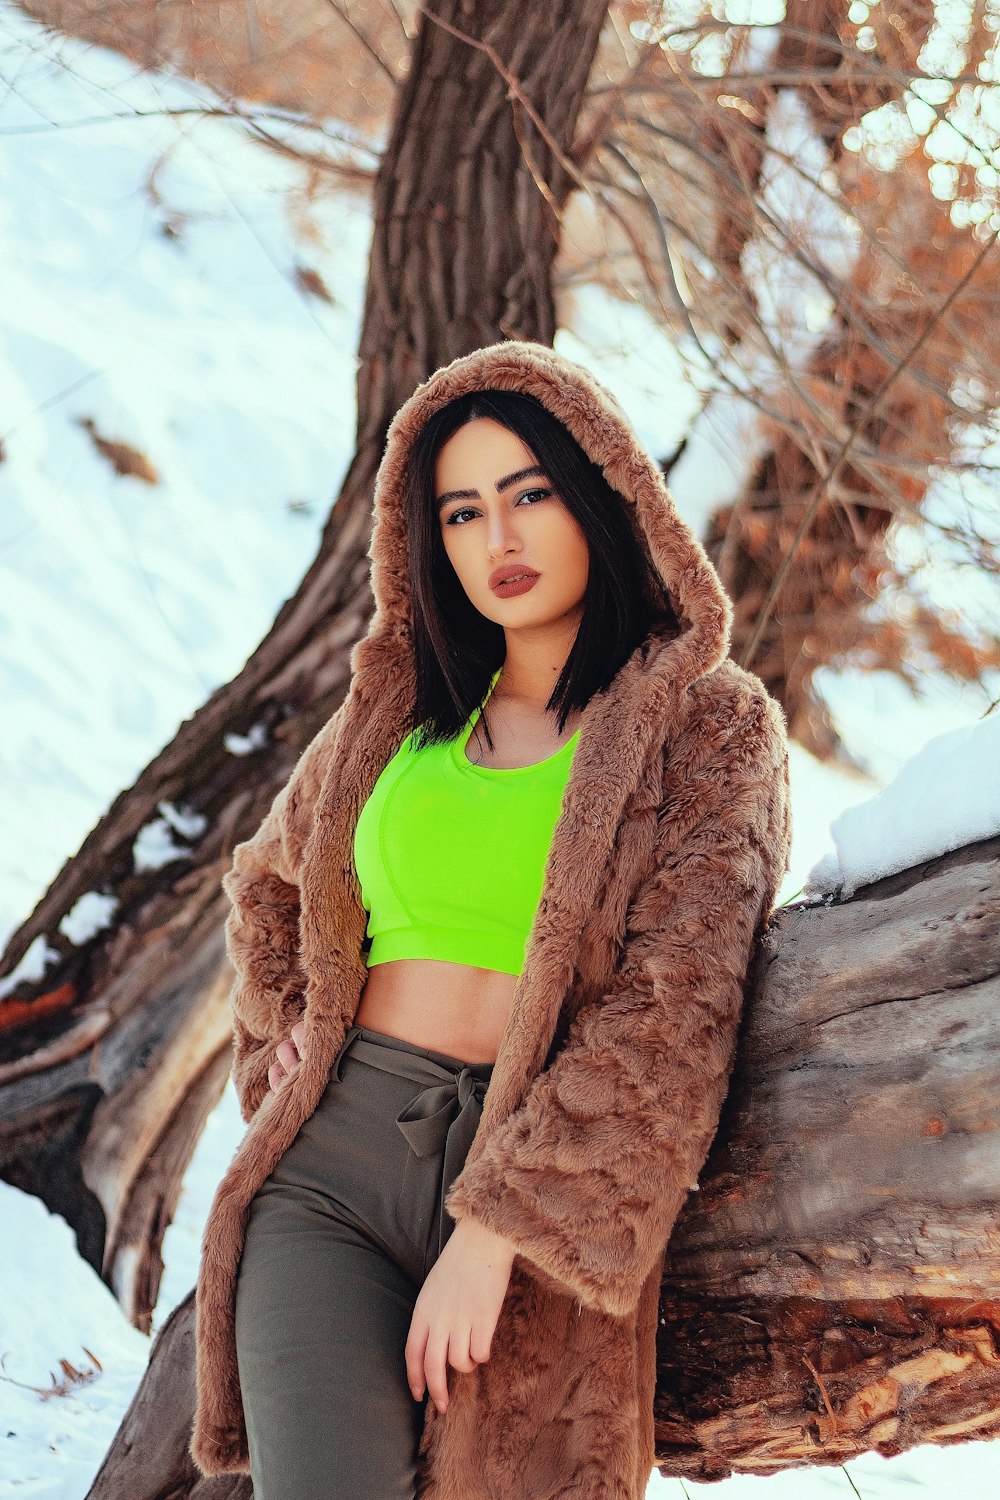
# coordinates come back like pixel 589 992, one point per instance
pixel 123 605
pixel 55 1426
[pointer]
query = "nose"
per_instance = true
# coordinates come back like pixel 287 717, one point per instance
pixel 502 537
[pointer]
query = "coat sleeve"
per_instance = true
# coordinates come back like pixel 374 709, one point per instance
pixel 262 924
pixel 588 1175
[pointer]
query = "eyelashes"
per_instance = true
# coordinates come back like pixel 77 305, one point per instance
pixel 453 518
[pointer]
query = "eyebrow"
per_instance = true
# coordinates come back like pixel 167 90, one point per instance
pixel 502 484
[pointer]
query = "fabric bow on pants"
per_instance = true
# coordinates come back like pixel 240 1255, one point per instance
pixel 339 1240
pixel 438 1124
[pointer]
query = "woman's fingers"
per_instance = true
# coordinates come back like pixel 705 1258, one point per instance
pixel 436 1367
pixel 416 1343
pixel 459 1355
pixel 287 1054
pixel 481 1338
pixel 290 1050
pixel 442 1349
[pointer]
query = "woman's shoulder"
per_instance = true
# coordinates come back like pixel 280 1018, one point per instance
pixel 728 720
pixel 733 695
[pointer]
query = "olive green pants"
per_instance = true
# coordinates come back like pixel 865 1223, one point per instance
pixel 339 1240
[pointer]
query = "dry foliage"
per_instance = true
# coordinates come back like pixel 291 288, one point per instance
pixel 708 186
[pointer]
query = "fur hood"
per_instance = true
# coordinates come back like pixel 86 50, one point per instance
pixel 599 424
pixel 605 1095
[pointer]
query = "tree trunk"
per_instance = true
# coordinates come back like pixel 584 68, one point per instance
pixel 149 1458
pixel 111 1063
pixel 834 1284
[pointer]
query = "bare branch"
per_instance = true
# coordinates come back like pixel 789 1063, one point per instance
pixel 825 480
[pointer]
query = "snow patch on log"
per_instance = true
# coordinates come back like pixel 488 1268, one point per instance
pixel 154 844
pixel 945 796
pixel 89 915
pixel 32 965
pixel 256 738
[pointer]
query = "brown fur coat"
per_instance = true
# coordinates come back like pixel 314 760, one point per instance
pixel 607 1087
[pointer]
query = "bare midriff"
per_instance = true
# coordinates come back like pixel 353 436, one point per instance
pixel 447 1007
pixel 451 1007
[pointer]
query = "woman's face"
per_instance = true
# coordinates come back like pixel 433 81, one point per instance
pixel 497 507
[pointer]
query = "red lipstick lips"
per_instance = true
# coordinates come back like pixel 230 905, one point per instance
pixel 512 579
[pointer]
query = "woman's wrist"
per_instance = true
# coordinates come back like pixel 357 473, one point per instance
pixel 498 1246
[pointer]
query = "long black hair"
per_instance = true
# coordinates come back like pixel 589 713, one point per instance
pixel 457 649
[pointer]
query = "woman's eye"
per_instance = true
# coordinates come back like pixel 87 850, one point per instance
pixel 464 510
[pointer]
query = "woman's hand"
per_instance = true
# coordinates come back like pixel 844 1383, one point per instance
pixel 289 1054
pixel 457 1308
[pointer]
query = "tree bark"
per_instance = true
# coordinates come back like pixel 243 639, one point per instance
pixel 834 1284
pixel 149 1458
pixel 111 1063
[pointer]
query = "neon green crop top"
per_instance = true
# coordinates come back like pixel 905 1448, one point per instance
pixel 451 856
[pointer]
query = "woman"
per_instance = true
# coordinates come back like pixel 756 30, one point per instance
pixel 482 1072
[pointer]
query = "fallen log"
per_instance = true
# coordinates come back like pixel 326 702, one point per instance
pixel 834 1285
pixel 149 1458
